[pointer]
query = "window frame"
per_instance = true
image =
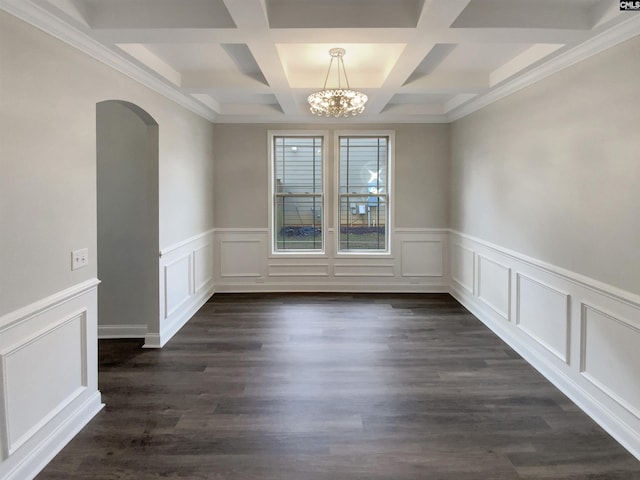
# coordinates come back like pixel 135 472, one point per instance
pixel 390 194
pixel 272 135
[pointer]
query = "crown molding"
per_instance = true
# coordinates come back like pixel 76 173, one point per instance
pixel 41 19
pixel 607 39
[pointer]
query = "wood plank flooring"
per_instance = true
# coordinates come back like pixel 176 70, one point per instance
pixel 333 387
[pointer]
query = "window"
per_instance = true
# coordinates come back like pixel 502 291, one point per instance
pixel 364 171
pixel 297 191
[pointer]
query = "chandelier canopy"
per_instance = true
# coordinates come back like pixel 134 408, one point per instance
pixel 337 102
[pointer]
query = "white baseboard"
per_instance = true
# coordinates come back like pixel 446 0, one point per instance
pixel 37 459
pixel 179 319
pixel 121 331
pixel 330 288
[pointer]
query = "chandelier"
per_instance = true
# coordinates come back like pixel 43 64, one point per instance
pixel 337 102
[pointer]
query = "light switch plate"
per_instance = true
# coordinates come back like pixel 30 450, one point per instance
pixel 79 258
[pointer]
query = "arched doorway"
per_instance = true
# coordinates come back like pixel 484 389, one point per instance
pixel 127 220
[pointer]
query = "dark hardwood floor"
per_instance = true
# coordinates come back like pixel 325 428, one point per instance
pixel 333 387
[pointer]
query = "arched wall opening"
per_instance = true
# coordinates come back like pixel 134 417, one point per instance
pixel 127 220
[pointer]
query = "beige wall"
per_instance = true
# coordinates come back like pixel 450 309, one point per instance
pixel 48 162
pixel 552 171
pixel 421 173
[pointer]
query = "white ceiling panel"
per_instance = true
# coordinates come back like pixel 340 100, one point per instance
pixel 258 60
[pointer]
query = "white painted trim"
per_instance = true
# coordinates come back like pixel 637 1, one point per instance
pixel 271 135
pixel 602 288
pixel 583 360
pixel 387 266
pixel 223 268
pixel 240 230
pixel 297 274
pixel 567 353
pixel 364 255
pixel 471 290
pixel 391 191
pixel 170 321
pixel 332 287
pixel 40 18
pixel 207 248
pixel 27 312
pixel 421 230
pixel 41 439
pixel 10 444
pixel 37 459
pixel 478 270
pixel 165 283
pixel 609 38
pixel 122 331
pixel 583 399
pixel 167 250
pixel 607 408
pixel 263 273
pixel 440 242
pixel 155 340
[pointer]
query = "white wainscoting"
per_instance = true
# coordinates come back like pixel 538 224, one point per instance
pixel 494 285
pixel 463 265
pixel 581 334
pixel 48 378
pixel 417 263
pixel 614 373
pixel 422 257
pixel 186 283
pixel 542 312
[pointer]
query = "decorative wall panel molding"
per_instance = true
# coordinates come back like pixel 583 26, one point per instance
pixel 422 258
pixel 417 264
pixel 463 267
pixel 363 270
pixel 298 270
pixel 542 312
pixel 44 403
pixel 494 285
pixel 186 278
pixel 177 283
pixel 610 356
pixel 29 405
pixel 242 257
pixel 203 266
pixel 581 334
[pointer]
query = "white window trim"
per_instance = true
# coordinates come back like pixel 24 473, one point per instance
pixel 391 134
pixel 271 179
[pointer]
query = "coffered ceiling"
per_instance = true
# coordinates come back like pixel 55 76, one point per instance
pixel 258 60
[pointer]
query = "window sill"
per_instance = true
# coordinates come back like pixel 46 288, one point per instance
pixel 298 255
pixel 385 255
